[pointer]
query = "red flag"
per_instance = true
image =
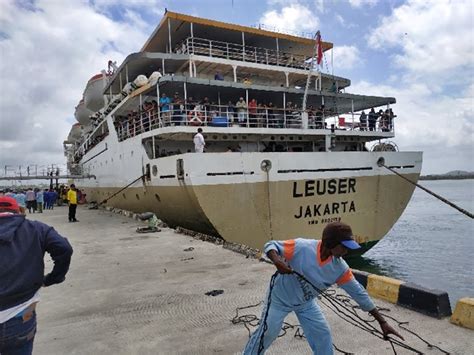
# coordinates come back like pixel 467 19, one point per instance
pixel 319 48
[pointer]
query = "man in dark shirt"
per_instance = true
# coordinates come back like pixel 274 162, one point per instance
pixel 23 244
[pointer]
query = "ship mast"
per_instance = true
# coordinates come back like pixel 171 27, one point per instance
pixel 317 43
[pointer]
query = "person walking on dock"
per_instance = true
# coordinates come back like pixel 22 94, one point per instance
pixel 31 200
pixel 72 200
pixel 23 244
pixel 199 142
pixel 39 200
pixel 302 263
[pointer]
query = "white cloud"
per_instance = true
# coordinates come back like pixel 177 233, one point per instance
pixel 434 37
pixel 343 22
pixel 47 55
pixel 346 57
pixel 433 55
pixel 293 17
pixel 430 122
pixel 360 3
pixel 319 5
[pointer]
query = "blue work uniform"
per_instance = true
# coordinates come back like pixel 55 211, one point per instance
pixel 291 293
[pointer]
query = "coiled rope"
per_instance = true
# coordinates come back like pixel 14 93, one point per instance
pixel 343 307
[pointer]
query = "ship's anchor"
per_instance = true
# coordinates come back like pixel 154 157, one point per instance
pixel 381 163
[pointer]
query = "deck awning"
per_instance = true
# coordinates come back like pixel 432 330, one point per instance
pixel 180 29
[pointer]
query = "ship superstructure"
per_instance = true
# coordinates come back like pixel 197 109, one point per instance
pixel 271 170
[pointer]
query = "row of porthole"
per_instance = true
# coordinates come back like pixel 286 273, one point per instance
pixel 138 197
pixel 112 159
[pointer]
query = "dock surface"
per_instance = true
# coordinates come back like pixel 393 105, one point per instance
pixel 130 293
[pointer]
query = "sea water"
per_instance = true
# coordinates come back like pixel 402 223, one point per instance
pixel 432 244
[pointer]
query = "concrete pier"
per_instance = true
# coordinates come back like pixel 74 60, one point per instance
pixel 130 293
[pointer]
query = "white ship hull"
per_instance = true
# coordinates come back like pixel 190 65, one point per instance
pixel 228 194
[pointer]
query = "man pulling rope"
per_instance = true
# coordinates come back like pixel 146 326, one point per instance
pixel 322 264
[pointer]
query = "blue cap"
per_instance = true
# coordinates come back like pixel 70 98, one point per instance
pixel 350 244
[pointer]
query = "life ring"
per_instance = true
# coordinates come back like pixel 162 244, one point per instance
pixel 195 118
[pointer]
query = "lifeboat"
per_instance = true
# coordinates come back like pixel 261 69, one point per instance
pixel 75 132
pixel 93 94
pixel 82 114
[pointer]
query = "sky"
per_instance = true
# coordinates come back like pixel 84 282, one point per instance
pixel 420 52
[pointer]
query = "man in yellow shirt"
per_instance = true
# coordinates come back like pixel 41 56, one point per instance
pixel 72 199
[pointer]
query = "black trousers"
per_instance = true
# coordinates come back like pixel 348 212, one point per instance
pixel 72 212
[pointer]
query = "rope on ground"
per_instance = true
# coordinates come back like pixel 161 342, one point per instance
pixel 380 162
pixel 119 191
pixel 344 308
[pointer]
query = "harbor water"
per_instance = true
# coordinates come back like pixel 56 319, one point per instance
pixel 432 244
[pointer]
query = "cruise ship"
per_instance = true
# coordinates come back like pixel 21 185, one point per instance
pixel 274 167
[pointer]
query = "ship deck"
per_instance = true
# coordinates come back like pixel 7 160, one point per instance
pixel 129 293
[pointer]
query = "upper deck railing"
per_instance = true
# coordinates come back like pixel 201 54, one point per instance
pixel 195 114
pixel 249 117
pixel 234 51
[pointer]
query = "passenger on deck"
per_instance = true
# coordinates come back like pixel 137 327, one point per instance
pixel 241 106
pixel 206 107
pixel 311 117
pixel 230 111
pixel 384 120
pixel 165 109
pixel 372 119
pixel 319 117
pixel 363 121
pixel 146 115
pixel 391 116
pixel 247 81
pixel 177 115
pixel 381 119
pixel 253 113
pixel 218 76
pixel 199 142
pixel 271 115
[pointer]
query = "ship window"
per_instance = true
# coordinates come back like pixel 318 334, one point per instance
pixel 214 137
pixel 300 138
pixel 291 138
pixel 157 197
pixel 154 170
pixel 124 197
pixel 244 137
pixel 272 138
pixel 148 145
pixel 282 138
pixel 234 137
pixel 138 197
pixel 224 137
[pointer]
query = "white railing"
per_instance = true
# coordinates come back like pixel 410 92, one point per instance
pixel 196 114
pixel 234 51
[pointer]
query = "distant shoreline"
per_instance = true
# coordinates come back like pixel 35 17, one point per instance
pixel 446 177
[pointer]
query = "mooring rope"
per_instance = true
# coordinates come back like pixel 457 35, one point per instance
pixel 460 209
pixel 119 191
pixel 339 304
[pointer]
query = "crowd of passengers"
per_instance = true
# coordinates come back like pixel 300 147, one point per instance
pixel 175 111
